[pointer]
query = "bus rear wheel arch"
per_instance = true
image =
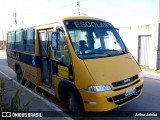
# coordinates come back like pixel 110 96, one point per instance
pixel 18 71
pixel 19 74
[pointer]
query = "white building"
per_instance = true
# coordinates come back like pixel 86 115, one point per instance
pixel 143 42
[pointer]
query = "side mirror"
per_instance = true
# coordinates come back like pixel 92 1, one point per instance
pixel 54 39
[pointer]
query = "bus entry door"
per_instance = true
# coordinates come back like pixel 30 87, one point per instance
pixel 45 55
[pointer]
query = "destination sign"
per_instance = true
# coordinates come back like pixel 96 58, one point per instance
pixel 73 24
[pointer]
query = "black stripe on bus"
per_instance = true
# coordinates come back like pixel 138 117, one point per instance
pixel 35 61
pixel 25 58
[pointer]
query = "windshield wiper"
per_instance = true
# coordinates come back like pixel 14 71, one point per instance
pixel 108 54
pixel 116 51
pixel 120 51
pixel 92 52
pixel 113 52
pixel 98 52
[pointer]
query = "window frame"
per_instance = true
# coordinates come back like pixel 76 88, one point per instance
pixel 64 52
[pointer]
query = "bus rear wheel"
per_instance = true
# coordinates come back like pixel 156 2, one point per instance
pixel 20 78
pixel 19 75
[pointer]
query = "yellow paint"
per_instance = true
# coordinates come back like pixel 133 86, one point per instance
pixel 63 72
pixel 112 69
pixel 88 72
pixel 101 99
pixel 31 73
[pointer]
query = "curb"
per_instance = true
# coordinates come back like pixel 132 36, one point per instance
pixel 51 105
pixel 157 77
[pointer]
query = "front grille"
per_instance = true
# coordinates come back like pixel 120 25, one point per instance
pixel 120 99
pixel 127 86
pixel 122 82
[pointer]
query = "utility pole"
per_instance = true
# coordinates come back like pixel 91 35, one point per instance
pixel 158 11
pixel 78 4
pixel 15 18
pixel 158 44
pixel 14 15
pixel 3 45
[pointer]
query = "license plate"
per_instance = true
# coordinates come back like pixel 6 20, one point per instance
pixel 130 92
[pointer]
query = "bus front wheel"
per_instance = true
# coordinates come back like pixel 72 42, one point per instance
pixel 75 107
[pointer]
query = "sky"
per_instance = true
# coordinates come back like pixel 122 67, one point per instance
pixel 118 12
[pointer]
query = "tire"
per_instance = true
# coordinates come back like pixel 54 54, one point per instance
pixel 19 75
pixel 20 78
pixel 75 106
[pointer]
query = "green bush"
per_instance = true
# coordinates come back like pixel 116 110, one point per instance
pixel 2 92
pixel 14 104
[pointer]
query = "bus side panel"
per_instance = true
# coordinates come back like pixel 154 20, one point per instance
pixel 56 82
pixel 29 72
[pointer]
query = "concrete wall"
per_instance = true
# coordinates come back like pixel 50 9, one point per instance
pixel 158 49
pixel 158 60
pixel 130 36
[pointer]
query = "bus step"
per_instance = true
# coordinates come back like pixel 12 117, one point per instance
pixel 50 91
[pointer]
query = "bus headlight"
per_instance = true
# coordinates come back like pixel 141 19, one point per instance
pixel 98 88
pixel 140 75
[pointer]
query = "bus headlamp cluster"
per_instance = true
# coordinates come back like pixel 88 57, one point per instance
pixel 140 75
pixel 98 88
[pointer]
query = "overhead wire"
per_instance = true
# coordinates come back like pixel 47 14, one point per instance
pixel 52 9
pixel 56 9
pixel 37 5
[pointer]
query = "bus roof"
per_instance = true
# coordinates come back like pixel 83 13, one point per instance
pixel 80 17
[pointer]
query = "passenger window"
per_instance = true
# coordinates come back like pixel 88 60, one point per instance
pixel 19 40
pixel 19 36
pixel 62 53
pixel 13 37
pixel 22 40
pixel 12 42
pixel 9 40
pixel 30 43
pixel 49 43
pixel 9 37
pixel 42 38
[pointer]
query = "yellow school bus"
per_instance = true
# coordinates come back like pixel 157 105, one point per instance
pixel 81 60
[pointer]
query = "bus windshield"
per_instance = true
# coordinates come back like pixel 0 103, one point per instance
pixel 94 39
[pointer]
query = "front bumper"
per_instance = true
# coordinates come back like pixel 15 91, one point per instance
pixel 105 101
